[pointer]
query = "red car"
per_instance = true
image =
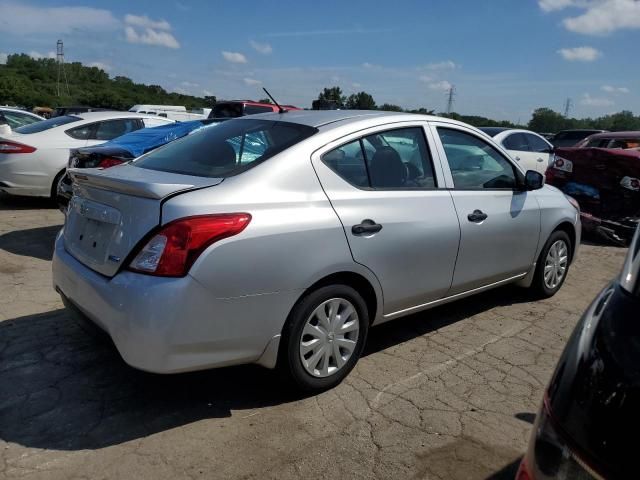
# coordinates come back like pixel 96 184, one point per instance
pixel 239 108
pixel 603 175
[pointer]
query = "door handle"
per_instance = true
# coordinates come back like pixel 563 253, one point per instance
pixel 367 226
pixel 518 159
pixel 541 159
pixel 477 216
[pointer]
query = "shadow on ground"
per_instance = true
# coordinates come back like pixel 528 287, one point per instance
pixel 12 202
pixel 33 242
pixel 65 389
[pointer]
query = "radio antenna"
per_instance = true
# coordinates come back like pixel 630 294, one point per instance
pixel 280 109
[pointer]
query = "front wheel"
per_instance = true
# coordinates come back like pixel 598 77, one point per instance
pixel 553 265
pixel 324 337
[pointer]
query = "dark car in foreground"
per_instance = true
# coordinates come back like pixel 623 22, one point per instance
pixel 123 149
pixel 606 184
pixel 590 415
pixel 569 138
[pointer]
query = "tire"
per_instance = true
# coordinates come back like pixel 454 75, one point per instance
pixel 305 328
pixel 54 186
pixel 545 284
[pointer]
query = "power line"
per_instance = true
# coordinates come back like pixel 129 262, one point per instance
pixel 567 107
pixel 450 95
pixel 61 70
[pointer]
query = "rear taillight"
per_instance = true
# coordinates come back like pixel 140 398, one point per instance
pixel 523 471
pixel 110 162
pixel 630 183
pixel 563 164
pixel 15 147
pixel 172 250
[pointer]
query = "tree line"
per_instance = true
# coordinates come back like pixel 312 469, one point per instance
pixel 29 82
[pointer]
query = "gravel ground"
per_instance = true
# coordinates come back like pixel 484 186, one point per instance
pixel 444 394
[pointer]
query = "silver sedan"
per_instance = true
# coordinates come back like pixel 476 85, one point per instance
pixel 279 239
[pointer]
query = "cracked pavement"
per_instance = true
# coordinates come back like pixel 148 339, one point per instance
pixel 445 394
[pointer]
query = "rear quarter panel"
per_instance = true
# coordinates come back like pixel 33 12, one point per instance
pixel 555 210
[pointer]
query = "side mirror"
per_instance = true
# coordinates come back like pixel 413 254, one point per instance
pixel 533 180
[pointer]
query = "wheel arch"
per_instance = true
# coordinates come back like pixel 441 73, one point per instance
pixel 569 229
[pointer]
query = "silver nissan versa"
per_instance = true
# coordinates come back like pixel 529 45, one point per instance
pixel 279 239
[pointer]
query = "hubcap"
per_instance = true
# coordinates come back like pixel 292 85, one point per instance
pixel 329 337
pixel 555 265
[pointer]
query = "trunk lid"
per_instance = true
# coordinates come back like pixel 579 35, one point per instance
pixel 113 209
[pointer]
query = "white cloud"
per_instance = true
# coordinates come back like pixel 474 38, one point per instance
pixel 19 19
pixel 251 81
pixel 101 65
pixel 589 101
pixel 151 37
pixel 580 54
pixel 189 84
pixel 599 17
pixel 356 85
pixel 425 78
pixel 208 93
pixel 142 29
pixel 442 85
pixel 445 65
pixel 234 57
pixel 3 58
pixel 37 55
pixel 145 22
pixel 612 89
pixel 263 48
pixel 370 65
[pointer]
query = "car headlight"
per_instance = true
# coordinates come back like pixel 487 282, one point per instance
pixel 573 202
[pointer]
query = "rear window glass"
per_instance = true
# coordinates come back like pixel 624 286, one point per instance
pixel 226 150
pixel 47 124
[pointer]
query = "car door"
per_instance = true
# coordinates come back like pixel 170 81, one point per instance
pixel 499 222
pixel 518 147
pixel 541 150
pixel 398 218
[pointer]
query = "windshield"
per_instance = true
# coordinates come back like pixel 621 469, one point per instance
pixel 228 149
pixel 47 124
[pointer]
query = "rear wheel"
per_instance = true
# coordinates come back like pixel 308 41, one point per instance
pixel 324 337
pixel 553 265
pixel 54 186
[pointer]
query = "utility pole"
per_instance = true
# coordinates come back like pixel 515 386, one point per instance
pixel 61 71
pixel 450 95
pixel 567 107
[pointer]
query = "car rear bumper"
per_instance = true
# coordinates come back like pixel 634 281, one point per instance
pixel 170 325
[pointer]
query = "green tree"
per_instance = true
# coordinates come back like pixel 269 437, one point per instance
pixel 329 98
pixel 389 107
pixel 361 101
pixel 546 120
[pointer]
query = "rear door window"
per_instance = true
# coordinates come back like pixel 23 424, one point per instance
pixel 81 133
pixel 394 159
pixel 516 141
pixel 228 149
pixel 110 129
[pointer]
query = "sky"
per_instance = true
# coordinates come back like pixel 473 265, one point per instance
pixel 504 57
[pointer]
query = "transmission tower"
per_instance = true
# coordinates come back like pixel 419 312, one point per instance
pixel 61 71
pixel 450 95
pixel 567 107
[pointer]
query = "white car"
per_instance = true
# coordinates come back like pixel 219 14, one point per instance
pixel 33 157
pixel 527 148
pixel 14 117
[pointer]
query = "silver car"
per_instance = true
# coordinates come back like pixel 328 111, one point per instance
pixel 279 239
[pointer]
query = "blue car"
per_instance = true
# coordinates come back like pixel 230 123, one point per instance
pixel 126 148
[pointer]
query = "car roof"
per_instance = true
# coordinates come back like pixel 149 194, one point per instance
pixel 106 115
pixel 629 133
pixel 337 118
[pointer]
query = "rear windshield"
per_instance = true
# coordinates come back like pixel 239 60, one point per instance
pixel 228 149
pixel 47 124
pixel 227 110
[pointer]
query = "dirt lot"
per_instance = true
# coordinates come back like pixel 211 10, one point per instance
pixel 446 394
